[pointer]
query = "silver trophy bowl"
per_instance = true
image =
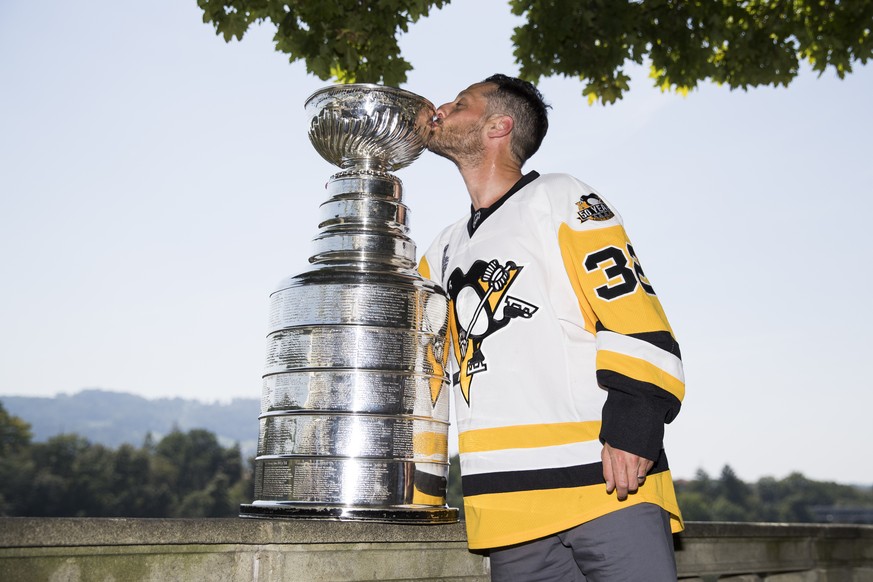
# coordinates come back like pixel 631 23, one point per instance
pixel 354 405
pixel 368 126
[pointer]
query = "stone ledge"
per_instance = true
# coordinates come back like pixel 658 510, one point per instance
pixel 780 552
pixel 75 531
pixel 162 550
pixel 85 531
pixel 726 529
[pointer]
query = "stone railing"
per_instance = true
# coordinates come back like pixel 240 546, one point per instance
pixel 216 550
pixel 775 552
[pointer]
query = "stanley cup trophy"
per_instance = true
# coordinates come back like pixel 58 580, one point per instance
pixel 355 404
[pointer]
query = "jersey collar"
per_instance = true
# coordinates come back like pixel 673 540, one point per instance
pixel 477 217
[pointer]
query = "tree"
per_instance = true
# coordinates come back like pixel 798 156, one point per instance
pixel 16 467
pixel 15 434
pixel 732 488
pixel 202 475
pixel 134 492
pixel 213 501
pixel 195 457
pixel 55 485
pixel 740 43
pixel 185 474
pixel 696 507
pixel 349 40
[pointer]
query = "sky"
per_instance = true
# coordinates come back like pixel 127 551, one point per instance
pixel 156 183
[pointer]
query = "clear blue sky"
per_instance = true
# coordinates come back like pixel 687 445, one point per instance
pixel 156 183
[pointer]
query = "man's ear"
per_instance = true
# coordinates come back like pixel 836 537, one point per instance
pixel 499 125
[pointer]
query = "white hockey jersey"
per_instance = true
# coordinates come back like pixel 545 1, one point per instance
pixel 559 342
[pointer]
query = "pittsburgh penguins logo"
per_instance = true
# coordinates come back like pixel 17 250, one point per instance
pixel 481 307
pixel 591 207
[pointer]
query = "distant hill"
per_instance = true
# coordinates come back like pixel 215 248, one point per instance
pixel 114 418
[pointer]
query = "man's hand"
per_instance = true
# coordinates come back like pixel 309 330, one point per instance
pixel 624 472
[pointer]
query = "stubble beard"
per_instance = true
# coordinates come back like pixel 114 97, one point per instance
pixel 461 147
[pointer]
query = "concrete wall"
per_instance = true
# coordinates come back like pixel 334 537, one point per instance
pixel 68 550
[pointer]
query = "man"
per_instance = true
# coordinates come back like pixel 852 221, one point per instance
pixel 566 367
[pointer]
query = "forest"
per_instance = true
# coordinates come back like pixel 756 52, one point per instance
pixel 190 474
pixel 185 474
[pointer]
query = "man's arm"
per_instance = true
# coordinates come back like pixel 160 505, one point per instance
pixel 638 359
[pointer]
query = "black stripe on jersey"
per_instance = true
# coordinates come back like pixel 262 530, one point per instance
pixel 430 484
pixel 541 479
pixel 477 217
pixel 660 339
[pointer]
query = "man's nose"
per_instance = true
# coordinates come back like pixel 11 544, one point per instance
pixel 441 111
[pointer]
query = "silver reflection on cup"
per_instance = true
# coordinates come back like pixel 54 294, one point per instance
pixel 355 404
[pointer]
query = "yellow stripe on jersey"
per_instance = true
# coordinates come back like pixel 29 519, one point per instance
pixel 430 444
pixel 501 519
pixel 527 436
pixel 421 498
pixel 640 370
pixel 571 265
pixel 608 282
pixel 424 268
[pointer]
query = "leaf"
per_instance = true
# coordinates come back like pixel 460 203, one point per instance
pixel 741 44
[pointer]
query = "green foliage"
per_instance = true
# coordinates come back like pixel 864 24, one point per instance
pixel 739 43
pixel 189 474
pixel 183 475
pixel 16 466
pixel 349 40
pixel 794 499
pixel 14 433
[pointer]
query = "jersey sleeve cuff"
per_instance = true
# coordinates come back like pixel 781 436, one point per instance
pixel 634 424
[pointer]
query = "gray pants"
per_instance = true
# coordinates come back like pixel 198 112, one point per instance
pixel 629 545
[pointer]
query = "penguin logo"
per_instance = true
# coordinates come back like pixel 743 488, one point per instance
pixel 477 297
pixel 591 207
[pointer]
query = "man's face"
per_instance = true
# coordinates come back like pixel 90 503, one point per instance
pixel 458 131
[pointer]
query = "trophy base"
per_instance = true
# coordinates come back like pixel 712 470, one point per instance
pixel 407 515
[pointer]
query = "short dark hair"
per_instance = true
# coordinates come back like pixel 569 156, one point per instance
pixel 524 103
